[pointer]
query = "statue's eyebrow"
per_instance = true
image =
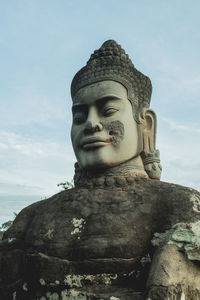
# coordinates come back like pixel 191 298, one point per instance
pixel 103 100
pixel 79 107
pixel 99 102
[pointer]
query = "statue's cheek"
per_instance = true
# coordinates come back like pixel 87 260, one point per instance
pixel 115 129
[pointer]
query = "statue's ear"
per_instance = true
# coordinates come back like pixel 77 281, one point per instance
pixel 150 156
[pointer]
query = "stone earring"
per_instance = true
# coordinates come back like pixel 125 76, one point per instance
pixel 151 161
pixel 150 155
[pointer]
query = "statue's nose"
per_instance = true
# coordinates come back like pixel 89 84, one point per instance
pixel 93 123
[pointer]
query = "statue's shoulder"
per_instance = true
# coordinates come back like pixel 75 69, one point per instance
pixel 22 221
pixel 162 189
pixel 182 202
pixel 175 192
pixel 27 214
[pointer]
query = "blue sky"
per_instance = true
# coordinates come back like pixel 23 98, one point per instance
pixel 44 43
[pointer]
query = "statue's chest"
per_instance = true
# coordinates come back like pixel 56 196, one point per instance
pixel 94 224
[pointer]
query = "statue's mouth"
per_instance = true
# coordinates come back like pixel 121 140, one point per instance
pixel 94 142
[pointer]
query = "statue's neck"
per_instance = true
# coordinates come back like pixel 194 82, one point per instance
pixel 131 168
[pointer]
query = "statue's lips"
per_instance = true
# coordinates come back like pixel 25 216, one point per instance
pixel 94 142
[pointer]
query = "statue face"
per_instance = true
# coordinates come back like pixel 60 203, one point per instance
pixel 104 133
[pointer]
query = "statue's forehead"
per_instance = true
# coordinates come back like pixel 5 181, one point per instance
pixel 100 90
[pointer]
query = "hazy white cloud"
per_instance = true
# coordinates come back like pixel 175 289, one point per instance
pixel 26 146
pixel 179 146
pixel 32 108
pixel 190 84
pixel 37 165
pixel 19 190
pixel 190 128
pixel 179 78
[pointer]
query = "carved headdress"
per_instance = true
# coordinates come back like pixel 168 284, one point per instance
pixel 110 62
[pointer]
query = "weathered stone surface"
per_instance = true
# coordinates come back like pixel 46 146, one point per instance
pixel 174 292
pixel 96 242
pixel 174 274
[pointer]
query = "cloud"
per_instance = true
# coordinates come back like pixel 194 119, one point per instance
pixel 37 165
pixel 18 190
pixel 32 108
pixel 179 78
pixel 179 146
pixel 174 125
pixel 28 147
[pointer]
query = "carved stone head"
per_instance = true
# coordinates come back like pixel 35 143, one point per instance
pixel 112 123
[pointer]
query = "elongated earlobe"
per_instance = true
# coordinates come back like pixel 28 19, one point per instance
pixel 150 155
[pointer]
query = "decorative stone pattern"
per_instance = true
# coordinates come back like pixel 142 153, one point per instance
pixel 110 62
pixel 84 179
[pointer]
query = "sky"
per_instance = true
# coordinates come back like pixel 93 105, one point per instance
pixel 44 43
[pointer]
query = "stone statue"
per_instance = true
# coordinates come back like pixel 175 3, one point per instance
pixel 121 233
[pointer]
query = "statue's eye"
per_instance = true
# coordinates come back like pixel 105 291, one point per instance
pixel 79 118
pixel 109 111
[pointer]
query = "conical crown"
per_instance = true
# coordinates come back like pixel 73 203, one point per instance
pixel 110 62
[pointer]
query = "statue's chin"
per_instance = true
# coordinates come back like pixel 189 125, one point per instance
pixel 108 157
pixel 129 166
pixel 97 159
pixel 97 166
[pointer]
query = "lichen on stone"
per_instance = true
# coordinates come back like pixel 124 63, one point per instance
pixel 72 294
pixel 54 296
pixel 42 281
pixel 195 199
pixel 79 280
pixel 182 296
pixel 14 295
pixel 186 236
pixel 73 280
pixel 49 234
pixel 24 287
pixel 10 240
pixel 51 296
pixel 78 225
pixel 145 259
